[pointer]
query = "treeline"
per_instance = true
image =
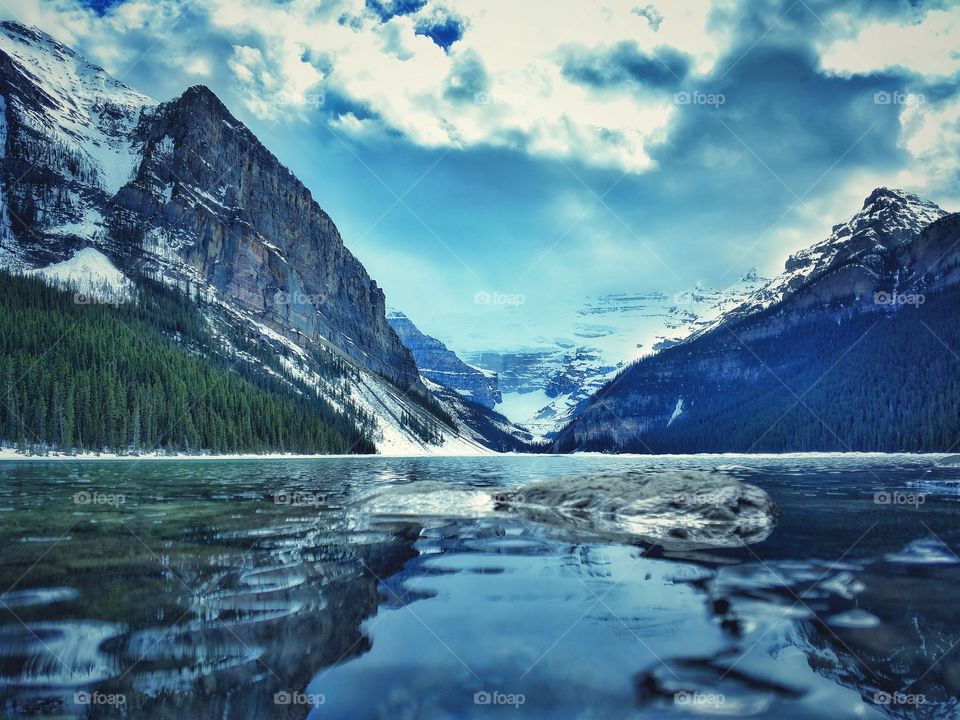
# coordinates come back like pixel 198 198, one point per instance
pixel 875 381
pixel 145 376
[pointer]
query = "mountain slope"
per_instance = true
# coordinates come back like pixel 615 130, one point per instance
pixel 181 193
pixel 143 376
pixel 858 256
pixel 852 348
pixel 441 365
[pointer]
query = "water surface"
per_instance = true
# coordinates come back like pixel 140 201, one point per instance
pixel 254 588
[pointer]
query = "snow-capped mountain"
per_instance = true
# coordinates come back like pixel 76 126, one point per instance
pixel 852 262
pixel 100 180
pixel 858 325
pixel 546 385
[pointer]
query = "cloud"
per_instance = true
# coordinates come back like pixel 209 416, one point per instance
pixel 662 67
pixel 387 9
pixel 929 46
pixel 444 32
pixel 931 134
pixel 650 12
pixel 451 74
pixel 514 117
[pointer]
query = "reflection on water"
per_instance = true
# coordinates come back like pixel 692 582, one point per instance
pixel 288 589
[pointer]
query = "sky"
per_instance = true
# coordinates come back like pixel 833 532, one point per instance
pixel 489 160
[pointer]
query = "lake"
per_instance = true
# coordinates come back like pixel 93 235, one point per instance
pixel 289 589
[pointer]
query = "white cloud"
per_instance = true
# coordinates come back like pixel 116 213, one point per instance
pixel 930 132
pixel 928 47
pixel 275 57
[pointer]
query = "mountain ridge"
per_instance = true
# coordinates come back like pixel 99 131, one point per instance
pixel 889 271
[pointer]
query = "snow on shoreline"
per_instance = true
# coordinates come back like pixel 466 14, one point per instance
pixel 11 454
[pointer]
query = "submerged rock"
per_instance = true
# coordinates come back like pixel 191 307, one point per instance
pixel 676 509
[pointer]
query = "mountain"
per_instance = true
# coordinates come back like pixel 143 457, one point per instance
pixel 466 393
pixel 441 365
pixel 857 258
pixel 852 347
pixel 102 182
pixel 548 384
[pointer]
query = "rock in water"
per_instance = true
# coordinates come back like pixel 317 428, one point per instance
pixel 678 510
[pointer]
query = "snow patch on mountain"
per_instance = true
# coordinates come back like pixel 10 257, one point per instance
pixel 677 412
pixel 91 275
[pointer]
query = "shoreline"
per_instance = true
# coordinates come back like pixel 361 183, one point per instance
pixel 11 455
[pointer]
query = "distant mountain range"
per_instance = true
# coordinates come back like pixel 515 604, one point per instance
pixel 853 347
pixel 548 382
pixel 103 186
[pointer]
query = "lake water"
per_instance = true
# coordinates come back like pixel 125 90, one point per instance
pixel 273 589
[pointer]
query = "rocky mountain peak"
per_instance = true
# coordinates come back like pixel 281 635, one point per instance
pixel 894 215
pixel 183 190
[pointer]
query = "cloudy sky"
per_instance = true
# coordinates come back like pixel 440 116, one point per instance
pixel 552 149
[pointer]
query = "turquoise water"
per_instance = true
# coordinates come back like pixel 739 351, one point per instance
pixel 280 589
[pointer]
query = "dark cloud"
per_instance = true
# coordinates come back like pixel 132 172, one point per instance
pixel 100 7
pixel 337 105
pixel 386 9
pixel 780 126
pixel 624 63
pixel 444 33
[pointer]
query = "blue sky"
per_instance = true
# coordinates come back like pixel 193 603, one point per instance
pixel 557 149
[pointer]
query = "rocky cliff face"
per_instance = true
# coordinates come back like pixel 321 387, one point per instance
pixel 181 191
pixel 441 365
